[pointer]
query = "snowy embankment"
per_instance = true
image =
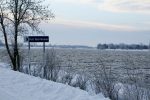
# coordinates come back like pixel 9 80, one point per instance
pixel 19 86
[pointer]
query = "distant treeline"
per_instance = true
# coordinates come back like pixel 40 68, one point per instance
pixel 122 46
pixel 60 46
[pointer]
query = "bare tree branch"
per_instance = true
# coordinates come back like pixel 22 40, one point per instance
pixel 14 14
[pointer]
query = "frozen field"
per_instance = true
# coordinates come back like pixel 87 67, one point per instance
pixel 88 61
pixel 124 71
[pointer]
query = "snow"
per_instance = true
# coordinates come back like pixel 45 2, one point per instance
pixel 19 86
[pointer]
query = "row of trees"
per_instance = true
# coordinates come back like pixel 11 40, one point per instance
pixel 122 46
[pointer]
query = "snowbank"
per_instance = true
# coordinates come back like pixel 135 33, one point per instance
pixel 18 86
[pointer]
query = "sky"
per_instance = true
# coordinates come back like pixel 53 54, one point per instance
pixel 89 22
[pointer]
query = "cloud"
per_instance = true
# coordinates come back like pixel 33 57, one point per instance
pixel 98 25
pixel 84 2
pixel 138 6
pixel 74 1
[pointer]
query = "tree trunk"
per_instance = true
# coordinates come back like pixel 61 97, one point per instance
pixel 16 52
pixel 6 41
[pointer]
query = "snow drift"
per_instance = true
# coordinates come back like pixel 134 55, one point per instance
pixel 19 86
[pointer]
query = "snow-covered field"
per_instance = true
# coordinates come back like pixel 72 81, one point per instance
pixel 19 86
pixel 86 61
pixel 129 68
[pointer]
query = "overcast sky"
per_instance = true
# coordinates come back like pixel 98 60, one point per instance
pixel 89 22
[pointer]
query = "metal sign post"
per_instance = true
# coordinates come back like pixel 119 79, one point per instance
pixel 44 54
pixel 29 58
pixel 36 39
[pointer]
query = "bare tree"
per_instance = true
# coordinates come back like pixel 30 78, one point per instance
pixel 68 74
pixel 17 17
pixel 52 66
pixel 105 81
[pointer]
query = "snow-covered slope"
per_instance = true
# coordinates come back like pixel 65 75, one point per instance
pixel 18 86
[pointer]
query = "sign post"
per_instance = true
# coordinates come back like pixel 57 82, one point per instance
pixel 29 58
pixel 36 39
